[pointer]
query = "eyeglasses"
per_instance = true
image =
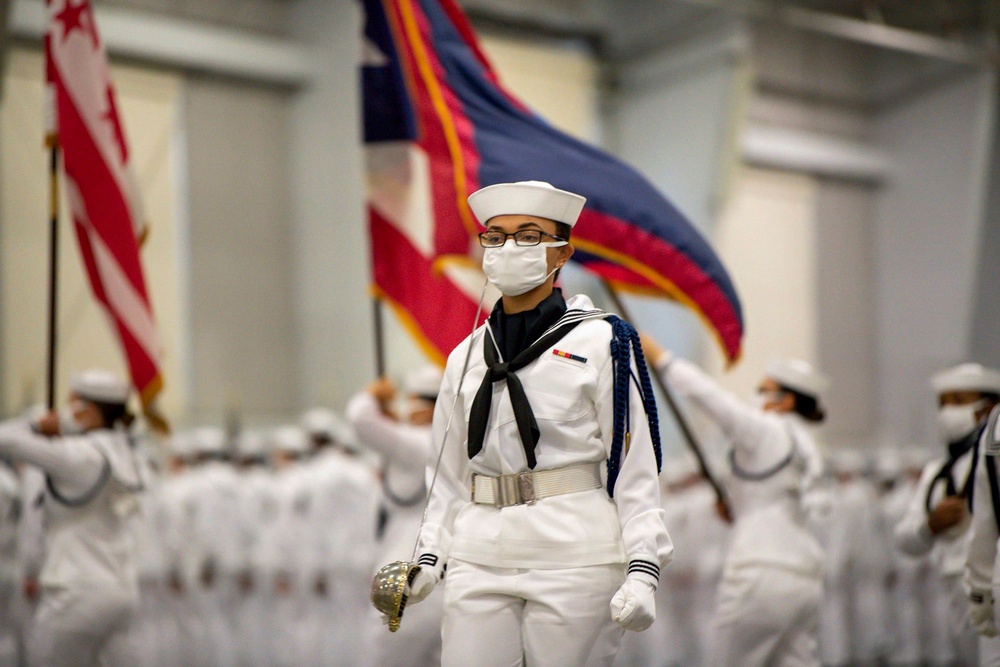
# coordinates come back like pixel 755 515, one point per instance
pixel 522 237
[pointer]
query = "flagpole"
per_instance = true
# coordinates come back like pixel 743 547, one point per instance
pixel 686 432
pixel 379 337
pixel 53 269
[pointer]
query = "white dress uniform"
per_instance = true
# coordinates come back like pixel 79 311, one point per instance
pixel 915 597
pixel 853 628
pixel 216 545
pixel 88 579
pixel 405 449
pixel 10 514
pixel 536 579
pixel 291 552
pixel 179 494
pixel 947 552
pixel 257 505
pixel 772 585
pixel 982 569
pixel 154 629
pixel 345 514
pixel 685 598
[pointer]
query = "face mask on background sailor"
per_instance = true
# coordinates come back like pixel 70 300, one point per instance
pixel 522 252
pixel 960 412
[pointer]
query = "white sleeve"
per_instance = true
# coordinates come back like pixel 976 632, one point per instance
pixel 912 535
pixel 637 490
pixel 983 541
pixel 73 462
pixel 393 440
pixel 756 434
pixel 452 487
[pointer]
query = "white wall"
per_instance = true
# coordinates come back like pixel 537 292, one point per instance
pixel 330 243
pixel 930 216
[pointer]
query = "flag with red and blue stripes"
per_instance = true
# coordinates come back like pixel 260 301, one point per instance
pixel 439 125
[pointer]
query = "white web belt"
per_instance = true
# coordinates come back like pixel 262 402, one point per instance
pixel 524 488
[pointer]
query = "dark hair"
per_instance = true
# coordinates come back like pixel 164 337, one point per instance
pixel 563 231
pixel 112 413
pixel 806 406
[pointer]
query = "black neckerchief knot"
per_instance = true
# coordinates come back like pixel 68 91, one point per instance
pixel 497 371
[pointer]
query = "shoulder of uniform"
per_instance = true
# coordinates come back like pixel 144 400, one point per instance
pixel 991 436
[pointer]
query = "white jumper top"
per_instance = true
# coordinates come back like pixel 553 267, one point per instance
pixel 572 400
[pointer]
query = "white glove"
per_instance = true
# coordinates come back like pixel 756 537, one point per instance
pixel 634 606
pixel 981 613
pixel 425 580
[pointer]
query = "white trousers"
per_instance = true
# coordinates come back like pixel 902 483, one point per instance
pixel 502 617
pixel 766 616
pixel 80 627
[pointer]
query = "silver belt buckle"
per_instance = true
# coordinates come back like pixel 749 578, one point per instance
pixel 508 493
pixel 526 485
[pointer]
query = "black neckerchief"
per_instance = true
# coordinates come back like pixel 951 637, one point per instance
pixel 956 450
pixel 514 332
pixel 498 371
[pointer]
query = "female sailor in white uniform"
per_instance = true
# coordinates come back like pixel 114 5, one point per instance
pixel 548 518
pixel 769 598
pixel 88 579
pixel 404 444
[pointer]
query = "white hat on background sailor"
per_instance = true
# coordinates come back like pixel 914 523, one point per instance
pixel 326 426
pixel 967 377
pixel 424 382
pixel 211 440
pixel 100 386
pixel 251 444
pixel 798 375
pixel 291 439
pixel 535 198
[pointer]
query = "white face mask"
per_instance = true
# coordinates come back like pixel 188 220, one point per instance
pixel 68 424
pixel 515 269
pixel 958 421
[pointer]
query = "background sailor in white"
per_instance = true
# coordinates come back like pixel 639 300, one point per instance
pixel 258 512
pixel 685 598
pixel 215 542
pixel 917 602
pixel 541 581
pixel 343 514
pixel 937 521
pixel 858 563
pixel 88 579
pixel 11 503
pixel 404 444
pixel 982 566
pixel 772 585
pixel 291 552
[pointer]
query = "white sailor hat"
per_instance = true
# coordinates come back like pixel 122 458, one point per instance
pixel 797 375
pixel 967 377
pixel 424 382
pixel 325 422
pixel 291 439
pixel 99 385
pixel 182 444
pixel 847 460
pixel 210 439
pixel 251 444
pixel 535 198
